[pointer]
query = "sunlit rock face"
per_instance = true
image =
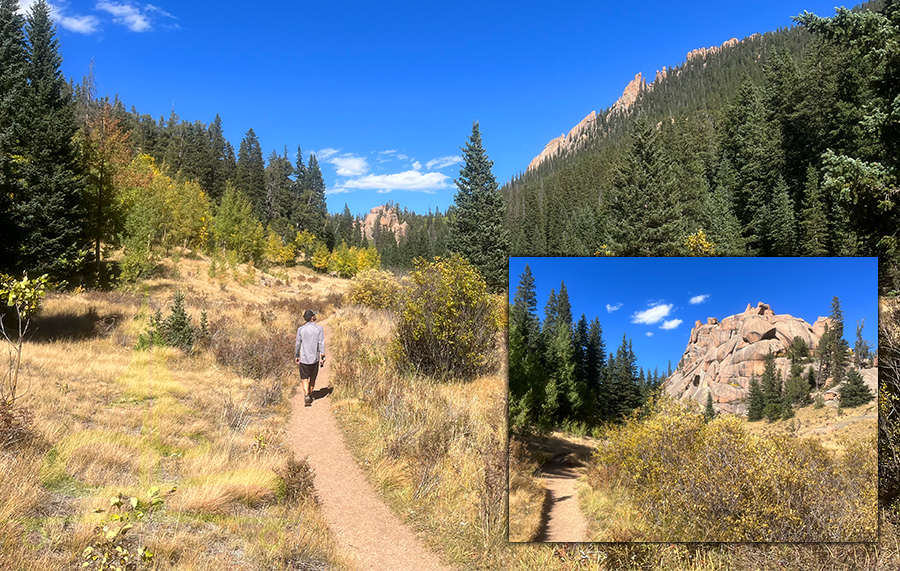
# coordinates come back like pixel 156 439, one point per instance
pixel 723 355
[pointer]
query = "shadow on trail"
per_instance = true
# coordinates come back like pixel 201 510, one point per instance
pixel 322 393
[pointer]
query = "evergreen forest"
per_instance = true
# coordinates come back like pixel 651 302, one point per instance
pixel 560 374
pixel 785 144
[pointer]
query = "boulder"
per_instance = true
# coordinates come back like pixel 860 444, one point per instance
pixel 723 355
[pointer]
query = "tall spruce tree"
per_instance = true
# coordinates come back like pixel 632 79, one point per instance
pixel 251 174
pixel 813 224
pixel 310 210
pixel 526 374
pixel 49 212
pixel 646 211
pixel 479 232
pixel 13 107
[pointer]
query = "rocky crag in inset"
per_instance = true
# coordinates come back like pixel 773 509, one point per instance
pixel 722 356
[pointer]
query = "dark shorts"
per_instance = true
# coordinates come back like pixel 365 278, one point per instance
pixel 309 371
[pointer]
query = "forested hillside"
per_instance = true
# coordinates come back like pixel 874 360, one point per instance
pixel 784 144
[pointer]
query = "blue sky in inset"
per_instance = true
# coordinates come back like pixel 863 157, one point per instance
pixel 656 301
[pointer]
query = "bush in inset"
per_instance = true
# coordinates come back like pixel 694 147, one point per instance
pixel 447 324
pixel 374 288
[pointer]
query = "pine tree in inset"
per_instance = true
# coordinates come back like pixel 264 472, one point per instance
pixel 709 412
pixel 756 401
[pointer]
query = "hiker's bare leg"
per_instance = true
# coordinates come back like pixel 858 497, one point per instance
pixel 305 383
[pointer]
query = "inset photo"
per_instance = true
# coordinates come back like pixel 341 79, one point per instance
pixel 693 399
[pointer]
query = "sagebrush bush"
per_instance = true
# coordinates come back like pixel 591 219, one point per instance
pixel 298 479
pixel 698 481
pixel 447 324
pixel 257 357
pixel 374 288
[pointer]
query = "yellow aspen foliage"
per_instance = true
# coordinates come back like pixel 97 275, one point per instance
pixel 698 244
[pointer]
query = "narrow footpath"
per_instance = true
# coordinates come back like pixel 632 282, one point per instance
pixel 565 522
pixel 365 528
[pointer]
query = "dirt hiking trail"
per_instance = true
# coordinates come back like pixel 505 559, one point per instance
pixel 366 529
pixel 563 519
pixel 565 522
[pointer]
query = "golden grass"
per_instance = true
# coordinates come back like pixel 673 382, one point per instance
pixel 113 420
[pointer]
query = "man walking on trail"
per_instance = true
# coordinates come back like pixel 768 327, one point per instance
pixel 309 353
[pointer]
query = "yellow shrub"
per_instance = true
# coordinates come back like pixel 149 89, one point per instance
pixel 375 289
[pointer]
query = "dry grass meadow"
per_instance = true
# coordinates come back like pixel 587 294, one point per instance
pixel 111 420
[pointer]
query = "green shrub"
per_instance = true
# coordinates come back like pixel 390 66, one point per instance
pixel 374 288
pixel 447 324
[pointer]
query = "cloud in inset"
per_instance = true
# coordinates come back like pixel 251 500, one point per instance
pixel 611 308
pixel 698 299
pixel 653 315
pixel 671 324
pixel 443 162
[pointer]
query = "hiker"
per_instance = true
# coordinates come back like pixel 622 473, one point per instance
pixel 309 353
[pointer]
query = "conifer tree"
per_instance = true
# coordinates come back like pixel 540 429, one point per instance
pixel 221 170
pixel 854 391
pixel 526 375
pixel 479 232
pixel 251 174
pixel 13 94
pixel 646 212
pixel 49 212
pixel 781 228
pixel 709 412
pixel 814 226
pixel 756 401
pixel 278 193
pixel 310 210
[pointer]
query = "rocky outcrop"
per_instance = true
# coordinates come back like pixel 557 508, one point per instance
pixel 579 134
pixel 723 355
pixel 388 218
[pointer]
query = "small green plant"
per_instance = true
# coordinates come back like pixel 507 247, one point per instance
pixel 176 330
pixel 113 547
pixel 820 402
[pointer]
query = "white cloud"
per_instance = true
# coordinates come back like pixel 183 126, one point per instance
pixel 653 315
pixel 77 24
pixel 611 308
pixel 349 165
pixel 443 162
pixel 326 154
pixel 698 299
pixel 130 16
pixel 670 324
pixel 417 166
pixel 388 152
pixel 410 180
pixel 649 334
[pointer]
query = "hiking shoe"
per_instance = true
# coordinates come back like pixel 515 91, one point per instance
pixel 308 400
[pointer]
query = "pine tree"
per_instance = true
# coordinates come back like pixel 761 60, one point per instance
pixel 854 392
pixel 756 401
pixel 646 212
pixel 814 226
pixel 49 211
pixel 709 412
pixel 523 313
pixel 13 106
pixel 479 232
pixel 781 228
pixel 526 373
pixel 251 174
pixel 310 210
pixel 278 194
pixel 861 348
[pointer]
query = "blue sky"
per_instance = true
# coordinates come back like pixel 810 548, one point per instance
pixel 386 93
pixel 656 301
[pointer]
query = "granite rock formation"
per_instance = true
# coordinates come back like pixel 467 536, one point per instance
pixel 723 355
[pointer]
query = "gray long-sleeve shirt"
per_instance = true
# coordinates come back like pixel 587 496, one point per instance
pixel 310 343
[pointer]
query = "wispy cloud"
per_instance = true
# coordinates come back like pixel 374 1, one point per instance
pixel 128 15
pixel 443 162
pixel 325 154
pixel 653 315
pixel 611 308
pixel 61 16
pixel 417 166
pixel 671 324
pixel 649 334
pixel 698 299
pixel 412 180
